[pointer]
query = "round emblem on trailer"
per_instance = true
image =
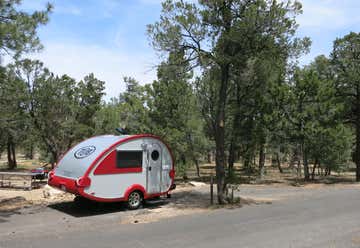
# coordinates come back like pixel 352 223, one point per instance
pixel 85 151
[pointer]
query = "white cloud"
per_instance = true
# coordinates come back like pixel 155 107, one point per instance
pixel 109 65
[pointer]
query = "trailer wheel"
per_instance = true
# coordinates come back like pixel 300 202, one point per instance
pixel 135 200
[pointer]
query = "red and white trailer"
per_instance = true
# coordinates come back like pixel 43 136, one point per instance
pixel 113 168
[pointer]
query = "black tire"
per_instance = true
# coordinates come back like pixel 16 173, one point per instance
pixel 135 200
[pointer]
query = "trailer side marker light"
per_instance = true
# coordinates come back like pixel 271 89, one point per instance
pixel 50 175
pixel 83 182
pixel 172 173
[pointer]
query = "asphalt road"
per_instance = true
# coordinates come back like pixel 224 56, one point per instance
pixel 326 217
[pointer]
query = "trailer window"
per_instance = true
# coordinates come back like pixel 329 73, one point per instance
pixel 129 159
pixel 155 155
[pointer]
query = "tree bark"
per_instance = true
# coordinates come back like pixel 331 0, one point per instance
pixel 220 134
pixel 209 156
pixel 231 158
pixel 278 161
pixel 357 147
pixel 55 157
pixel 247 163
pixel 11 155
pixel 327 171
pixel 305 164
pixel 357 130
pixel 262 161
pixel 197 167
pixel 313 170
pixel 9 159
pixel 293 159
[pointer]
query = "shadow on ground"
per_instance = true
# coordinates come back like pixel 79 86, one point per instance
pixel 324 180
pixel 10 207
pixel 190 199
pixel 7 214
pixel 179 200
pixel 96 208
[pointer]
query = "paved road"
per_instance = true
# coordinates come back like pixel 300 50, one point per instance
pixel 326 217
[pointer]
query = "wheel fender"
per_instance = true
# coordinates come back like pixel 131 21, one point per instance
pixel 133 188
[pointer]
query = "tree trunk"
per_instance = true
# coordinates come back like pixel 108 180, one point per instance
pixel 327 171
pixel 220 167
pixel 305 163
pixel 231 158
pixel 357 148
pixel 278 161
pixel 55 157
pixel 298 154
pixel 209 155
pixel 247 163
pixel 8 149
pixel 197 167
pixel 220 134
pixel 313 170
pixel 235 124
pixel 30 152
pixel 294 157
pixel 262 161
pixel 11 155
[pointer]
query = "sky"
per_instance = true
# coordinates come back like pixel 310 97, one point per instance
pixel 108 37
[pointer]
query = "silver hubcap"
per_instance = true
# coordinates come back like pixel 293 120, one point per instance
pixel 134 199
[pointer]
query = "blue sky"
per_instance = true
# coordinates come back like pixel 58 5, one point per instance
pixel 108 37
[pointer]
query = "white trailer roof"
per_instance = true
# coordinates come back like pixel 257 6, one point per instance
pixel 79 158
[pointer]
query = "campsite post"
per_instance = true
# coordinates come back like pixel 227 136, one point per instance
pixel 211 189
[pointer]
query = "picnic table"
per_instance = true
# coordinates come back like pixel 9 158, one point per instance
pixel 17 180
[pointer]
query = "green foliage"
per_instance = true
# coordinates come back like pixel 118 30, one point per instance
pixel 223 36
pixel 315 117
pixel 14 123
pixel 132 107
pixel 18 28
pixel 17 36
pixel 173 111
pixel 60 109
pixel 346 66
pixel 248 97
pixel 107 118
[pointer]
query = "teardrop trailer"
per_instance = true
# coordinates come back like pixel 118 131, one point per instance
pixel 110 168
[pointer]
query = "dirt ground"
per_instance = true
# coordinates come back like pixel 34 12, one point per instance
pixel 12 199
pixel 186 199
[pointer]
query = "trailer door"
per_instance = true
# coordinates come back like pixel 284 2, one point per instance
pixel 154 156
